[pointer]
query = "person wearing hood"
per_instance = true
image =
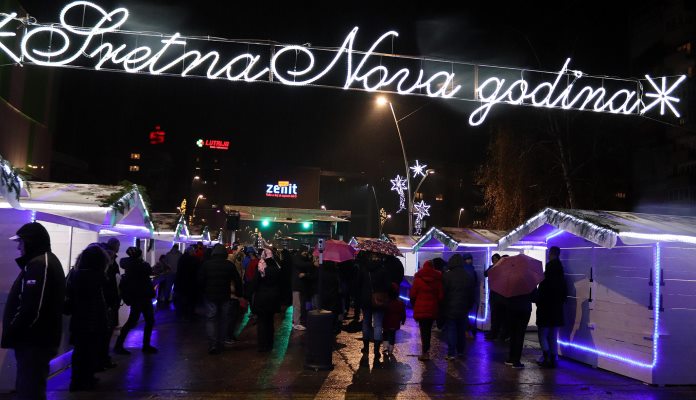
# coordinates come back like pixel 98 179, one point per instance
pixel 216 278
pixel 137 289
pixel 426 295
pixel 32 321
pixel 89 321
pixel 185 284
pixel 551 295
pixel 113 301
pixel 265 291
pixel 459 285
pixel 374 288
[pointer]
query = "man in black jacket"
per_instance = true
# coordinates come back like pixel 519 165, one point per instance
pixel 137 291
pixel 216 277
pixel 459 286
pixel 32 321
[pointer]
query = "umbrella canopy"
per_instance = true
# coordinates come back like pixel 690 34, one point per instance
pixel 515 276
pixel 380 246
pixel 336 250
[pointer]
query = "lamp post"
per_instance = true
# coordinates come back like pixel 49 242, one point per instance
pixel 461 210
pixel 193 213
pixel 383 101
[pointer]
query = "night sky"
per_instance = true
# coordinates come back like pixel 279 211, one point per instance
pixel 102 112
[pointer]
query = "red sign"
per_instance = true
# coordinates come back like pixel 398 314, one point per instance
pixel 157 136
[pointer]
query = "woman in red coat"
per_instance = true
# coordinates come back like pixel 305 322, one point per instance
pixel 426 295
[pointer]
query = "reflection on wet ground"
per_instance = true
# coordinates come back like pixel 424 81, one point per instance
pixel 184 370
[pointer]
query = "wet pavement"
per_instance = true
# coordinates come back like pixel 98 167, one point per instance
pixel 184 370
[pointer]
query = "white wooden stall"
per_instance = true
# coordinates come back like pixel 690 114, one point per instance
pixel 631 307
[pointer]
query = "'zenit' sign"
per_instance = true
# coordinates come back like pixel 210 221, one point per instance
pixel 283 189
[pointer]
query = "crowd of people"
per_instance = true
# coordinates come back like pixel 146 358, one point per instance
pixel 231 282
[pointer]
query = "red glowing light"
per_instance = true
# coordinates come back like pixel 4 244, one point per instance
pixel 157 136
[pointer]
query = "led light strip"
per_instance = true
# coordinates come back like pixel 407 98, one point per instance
pixel 656 323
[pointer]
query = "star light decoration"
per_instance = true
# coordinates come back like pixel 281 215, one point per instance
pixel 421 210
pixel 399 186
pixel 662 95
pixel 418 169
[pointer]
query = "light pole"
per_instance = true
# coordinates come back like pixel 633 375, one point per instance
pixel 461 210
pixel 382 101
pixel 193 213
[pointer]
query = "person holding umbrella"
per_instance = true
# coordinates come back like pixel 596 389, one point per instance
pixel 516 278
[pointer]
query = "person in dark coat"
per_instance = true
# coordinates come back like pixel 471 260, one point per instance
pixel 373 280
pixel 89 321
pixel 286 277
pixel 300 266
pixel 519 310
pixel 138 290
pixel 329 290
pixel 440 265
pixel 32 321
pixel 496 303
pixel 551 295
pixel 426 295
pixel 185 284
pixel 265 289
pixel 216 278
pixel 394 270
pixel 473 295
pixel 459 287
pixel 113 300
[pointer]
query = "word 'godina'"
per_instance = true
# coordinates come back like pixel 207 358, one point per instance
pixel 71 45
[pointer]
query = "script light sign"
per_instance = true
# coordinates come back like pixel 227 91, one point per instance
pixel 89 36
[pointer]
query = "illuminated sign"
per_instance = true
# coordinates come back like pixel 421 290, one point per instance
pixel 283 189
pixel 157 136
pixel 89 37
pixel 214 144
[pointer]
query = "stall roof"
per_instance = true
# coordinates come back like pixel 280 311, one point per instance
pixel 170 226
pixel 604 227
pixel 292 215
pixel 456 237
pixel 88 206
pixel 402 242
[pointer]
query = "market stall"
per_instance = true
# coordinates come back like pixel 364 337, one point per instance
pixel 631 281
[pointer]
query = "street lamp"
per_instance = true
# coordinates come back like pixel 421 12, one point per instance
pixel 381 101
pixel 461 210
pixel 193 213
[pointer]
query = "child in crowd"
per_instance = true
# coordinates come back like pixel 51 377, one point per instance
pixel 394 317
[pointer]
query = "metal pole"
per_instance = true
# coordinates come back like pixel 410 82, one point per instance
pixel 408 180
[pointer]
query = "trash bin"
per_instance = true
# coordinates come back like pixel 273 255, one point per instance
pixel 320 340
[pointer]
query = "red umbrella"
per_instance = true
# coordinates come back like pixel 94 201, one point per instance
pixel 515 276
pixel 337 251
pixel 380 246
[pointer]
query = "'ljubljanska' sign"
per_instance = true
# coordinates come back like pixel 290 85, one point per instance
pixel 91 37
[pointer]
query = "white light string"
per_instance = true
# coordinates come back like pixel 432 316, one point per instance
pixel 492 91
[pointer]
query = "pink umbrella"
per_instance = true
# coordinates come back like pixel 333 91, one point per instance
pixel 337 251
pixel 515 276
